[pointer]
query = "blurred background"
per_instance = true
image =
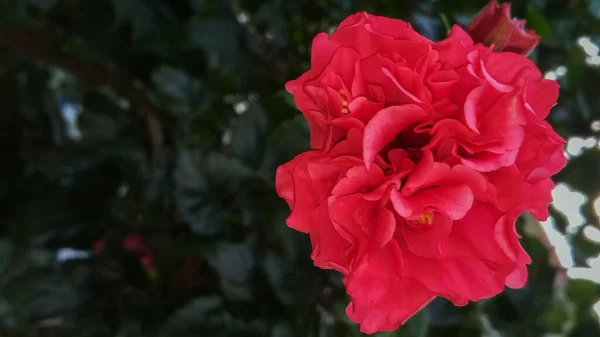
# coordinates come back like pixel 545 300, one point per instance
pixel 140 140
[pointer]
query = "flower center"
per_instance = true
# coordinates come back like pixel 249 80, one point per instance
pixel 345 110
pixel 414 153
pixel 408 138
pixel 426 218
pixel 462 152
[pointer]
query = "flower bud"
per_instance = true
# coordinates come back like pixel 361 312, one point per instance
pixel 494 26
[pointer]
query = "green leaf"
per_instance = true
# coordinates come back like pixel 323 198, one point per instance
pixel 248 135
pixel 289 283
pixel 416 326
pixel 293 136
pixel 443 313
pixel 219 38
pixel 537 22
pixel 6 250
pixel 583 294
pixel 445 22
pixel 182 92
pixel 205 186
pixel 288 98
pixel 225 174
pixel 594 8
pixel 197 203
pixel 234 262
pixel 270 14
pixel 6 316
pixel 203 316
pixel 282 329
pixel 37 294
pixel 583 245
pixel 586 329
pixel 97 121
pixel 138 12
pixel 558 315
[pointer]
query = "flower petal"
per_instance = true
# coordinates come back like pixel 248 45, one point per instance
pixel 454 201
pixel 425 240
pixel 386 125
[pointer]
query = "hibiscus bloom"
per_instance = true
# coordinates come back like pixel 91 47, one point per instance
pixel 423 155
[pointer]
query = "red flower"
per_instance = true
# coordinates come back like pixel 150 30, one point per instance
pixel 135 244
pixel 334 94
pixel 493 25
pixel 424 154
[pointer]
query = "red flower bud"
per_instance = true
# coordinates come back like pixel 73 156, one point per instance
pixel 494 26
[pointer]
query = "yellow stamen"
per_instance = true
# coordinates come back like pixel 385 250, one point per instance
pixel 345 109
pixel 426 218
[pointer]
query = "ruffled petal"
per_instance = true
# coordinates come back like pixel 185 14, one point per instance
pixel 386 125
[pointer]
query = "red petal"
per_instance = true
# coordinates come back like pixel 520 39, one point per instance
pixel 386 125
pixel 540 97
pixel 360 220
pixel 471 108
pixel 425 240
pixel 407 76
pixel 293 184
pixel 405 297
pixel 475 235
pixel 454 201
pixel 349 213
pixel 507 238
pixel 382 297
pixel 518 278
pixel 488 161
pixel 428 174
pixel 358 179
pixel 330 249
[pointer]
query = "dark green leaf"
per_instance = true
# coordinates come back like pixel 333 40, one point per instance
pixel 286 280
pixel 182 92
pixel 219 38
pixel 248 134
pixel 443 313
pixel 583 292
pixel 594 8
pixel 6 316
pixel 6 249
pixel 586 329
pixel 287 97
pixel 38 294
pixel 225 173
pixel 198 204
pixel 417 325
pixel 537 22
pixel 282 329
pixel 234 263
pixel 293 136
pixel 203 316
pixel 138 12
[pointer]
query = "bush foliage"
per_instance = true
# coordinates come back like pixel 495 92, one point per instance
pixel 167 120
